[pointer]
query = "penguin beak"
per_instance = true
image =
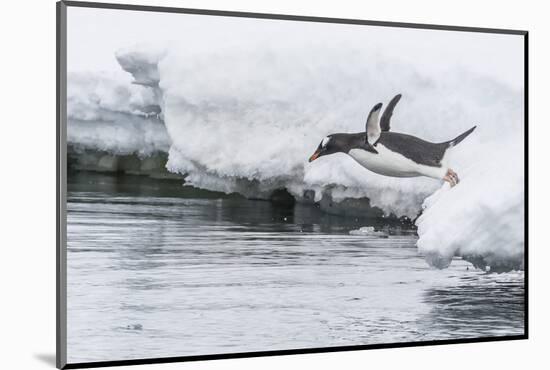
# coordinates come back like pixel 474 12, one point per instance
pixel 315 156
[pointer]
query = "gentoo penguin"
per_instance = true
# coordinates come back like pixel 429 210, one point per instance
pixel 391 153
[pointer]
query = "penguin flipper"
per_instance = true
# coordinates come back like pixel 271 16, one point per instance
pixel 386 116
pixel 370 148
pixel 372 127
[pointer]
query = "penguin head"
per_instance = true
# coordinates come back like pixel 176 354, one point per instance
pixel 327 146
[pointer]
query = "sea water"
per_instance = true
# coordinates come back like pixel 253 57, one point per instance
pixel 155 269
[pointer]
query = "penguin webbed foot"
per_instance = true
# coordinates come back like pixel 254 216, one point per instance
pixel 451 177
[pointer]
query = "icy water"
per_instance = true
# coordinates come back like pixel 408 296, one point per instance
pixel 157 270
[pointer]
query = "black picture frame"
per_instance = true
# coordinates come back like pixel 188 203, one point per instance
pixel 61 185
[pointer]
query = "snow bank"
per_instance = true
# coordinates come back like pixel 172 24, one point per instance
pixel 107 113
pixel 481 219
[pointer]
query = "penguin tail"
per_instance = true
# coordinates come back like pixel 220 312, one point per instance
pixel 460 137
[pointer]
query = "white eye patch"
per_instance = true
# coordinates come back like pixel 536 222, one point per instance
pixel 325 141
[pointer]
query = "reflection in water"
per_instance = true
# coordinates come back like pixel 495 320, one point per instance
pixel 155 274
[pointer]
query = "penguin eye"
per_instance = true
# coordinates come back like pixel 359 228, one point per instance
pixel 325 141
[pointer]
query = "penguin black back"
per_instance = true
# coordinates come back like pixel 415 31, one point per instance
pixel 414 148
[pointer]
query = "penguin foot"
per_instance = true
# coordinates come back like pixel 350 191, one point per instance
pixel 451 177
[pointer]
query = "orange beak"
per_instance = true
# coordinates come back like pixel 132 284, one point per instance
pixel 314 156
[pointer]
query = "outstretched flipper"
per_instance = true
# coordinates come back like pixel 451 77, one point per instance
pixel 369 148
pixel 372 128
pixel 386 116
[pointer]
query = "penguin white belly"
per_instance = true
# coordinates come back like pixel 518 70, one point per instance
pixel 390 163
